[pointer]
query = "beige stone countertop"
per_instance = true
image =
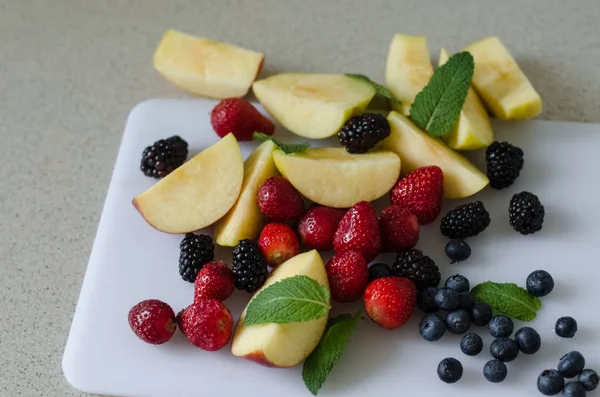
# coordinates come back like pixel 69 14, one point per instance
pixel 71 70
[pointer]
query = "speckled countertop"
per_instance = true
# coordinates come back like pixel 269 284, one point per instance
pixel 70 71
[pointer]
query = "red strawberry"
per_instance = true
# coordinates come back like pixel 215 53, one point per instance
pixel 390 301
pixel 279 200
pixel 278 243
pixel 318 225
pixel 359 230
pixel 421 192
pixel 206 323
pixel 214 281
pixel 399 229
pixel 153 321
pixel 238 116
pixel 348 276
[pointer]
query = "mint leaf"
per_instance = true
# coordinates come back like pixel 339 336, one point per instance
pixel 509 299
pixel 286 147
pixel 381 90
pixel 329 350
pixel 438 105
pixel 291 300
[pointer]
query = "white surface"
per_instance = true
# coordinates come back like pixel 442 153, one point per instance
pixel 131 261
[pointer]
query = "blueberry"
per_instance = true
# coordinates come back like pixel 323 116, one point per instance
pixel 571 364
pixel 495 371
pixel 566 327
pixel 379 270
pixel 589 378
pixel 471 344
pixel 450 370
pixel 529 340
pixel 481 314
pixel 426 301
pixel 446 299
pixel 458 321
pixel 539 283
pixel 501 326
pixel 466 300
pixel 504 349
pixel 550 382
pixel 432 327
pixel 574 389
pixel 458 283
pixel 458 250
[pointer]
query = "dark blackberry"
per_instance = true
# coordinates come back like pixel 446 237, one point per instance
pixel 466 220
pixel 526 213
pixel 420 268
pixel 196 251
pixel 504 163
pixel 164 156
pixel 361 133
pixel 249 266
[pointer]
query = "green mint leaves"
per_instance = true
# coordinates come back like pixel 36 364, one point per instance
pixel 381 90
pixel 321 361
pixel 291 300
pixel 285 147
pixel 437 107
pixel 509 299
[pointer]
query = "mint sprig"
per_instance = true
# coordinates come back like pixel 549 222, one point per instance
pixel 381 90
pixel 291 300
pixel 287 148
pixel 329 350
pixel 509 299
pixel 437 107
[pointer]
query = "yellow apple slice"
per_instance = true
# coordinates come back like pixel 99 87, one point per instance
pixel 335 178
pixel 408 69
pixel 501 83
pixel 417 149
pixel 197 193
pixel 204 67
pixel 244 220
pixel 473 129
pixel 283 345
pixel 313 105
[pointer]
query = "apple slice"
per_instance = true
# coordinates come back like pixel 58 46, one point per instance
pixel 283 345
pixel 244 220
pixel 205 67
pixel 408 69
pixel 313 105
pixel 473 129
pixel 335 178
pixel 417 149
pixel 197 193
pixel 500 82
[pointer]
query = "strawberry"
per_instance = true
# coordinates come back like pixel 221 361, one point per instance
pixel 278 243
pixel 318 225
pixel 390 301
pixel 153 321
pixel 238 116
pixel 214 281
pixel 359 230
pixel 348 276
pixel 279 200
pixel 421 192
pixel 399 229
pixel 206 323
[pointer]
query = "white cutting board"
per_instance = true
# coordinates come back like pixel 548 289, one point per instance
pixel 131 261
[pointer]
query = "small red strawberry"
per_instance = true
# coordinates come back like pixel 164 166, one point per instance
pixel 279 200
pixel 238 116
pixel 153 321
pixel 348 276
pixel 318 225
pixel 399 229
pixel 206 323
pixel 359 230
pixel 390 301
pixel 421 192
pixel 214 281
pixel 278 243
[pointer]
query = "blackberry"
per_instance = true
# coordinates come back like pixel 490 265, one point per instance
pixel 361 133
pixel 426 300
pixel 529 340
pixel 164 156
pixel 565 327
pixel 526 213
pixel 450 370
pixel 589 378
pixel 196 251
pixel 504 163
pixel 550 382
pixel 420 268
pixel 571 364
pixel 466 220
pixel 458 251
pixel 249 266
pixel 495 371
pixel 379 270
